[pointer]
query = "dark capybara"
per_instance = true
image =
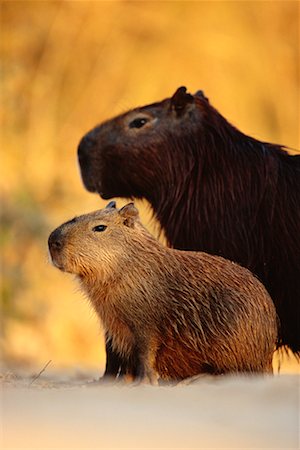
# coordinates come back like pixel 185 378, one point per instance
pixel 211 187
pixel 177 313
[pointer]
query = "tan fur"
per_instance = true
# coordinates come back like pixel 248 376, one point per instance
pixel 184 313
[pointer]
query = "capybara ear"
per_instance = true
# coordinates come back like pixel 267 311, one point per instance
pixel 111 204
pixel 129 213
pixel 180 100
pixel 201 95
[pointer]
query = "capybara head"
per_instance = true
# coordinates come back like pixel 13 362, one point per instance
pixel 127 156
pixel 93 243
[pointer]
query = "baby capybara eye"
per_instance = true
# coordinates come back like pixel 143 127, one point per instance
pixel 138 123
pixel 99 228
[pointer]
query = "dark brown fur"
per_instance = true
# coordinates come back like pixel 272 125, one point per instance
pixel 212 188
pixel 181 313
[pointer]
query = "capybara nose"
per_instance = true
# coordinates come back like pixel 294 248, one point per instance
pixel 55 241
pixel 85 145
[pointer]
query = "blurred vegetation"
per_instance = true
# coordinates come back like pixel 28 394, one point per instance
pixel 69 65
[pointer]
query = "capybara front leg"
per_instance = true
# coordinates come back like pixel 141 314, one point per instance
pixel 114 362
pixel 146 367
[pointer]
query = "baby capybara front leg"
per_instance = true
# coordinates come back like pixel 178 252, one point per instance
pixel 113 360
pixel 118 366
pixel 146 372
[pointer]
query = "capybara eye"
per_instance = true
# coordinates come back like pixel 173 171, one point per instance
pixel 138 123
pixel 100 228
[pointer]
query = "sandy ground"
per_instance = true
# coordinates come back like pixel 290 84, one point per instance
pixel 59 411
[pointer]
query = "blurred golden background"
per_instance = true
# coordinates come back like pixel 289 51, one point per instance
pixel 67 66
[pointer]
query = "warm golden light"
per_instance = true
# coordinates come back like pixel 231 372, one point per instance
pixel 71 65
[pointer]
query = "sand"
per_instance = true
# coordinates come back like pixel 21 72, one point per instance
pixel 63 412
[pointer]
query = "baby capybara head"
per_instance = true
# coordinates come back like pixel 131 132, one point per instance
pixel 127 156
pixel 93 243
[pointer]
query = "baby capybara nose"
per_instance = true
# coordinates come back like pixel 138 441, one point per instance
pixel 55 241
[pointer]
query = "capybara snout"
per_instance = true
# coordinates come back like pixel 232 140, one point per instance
pixel 55 241
pixel 86 149
pixel 55 246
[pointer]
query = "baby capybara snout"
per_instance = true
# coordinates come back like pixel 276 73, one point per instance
pixel 176 313
pixel 58 242
pixel 55 241
pixel 55 245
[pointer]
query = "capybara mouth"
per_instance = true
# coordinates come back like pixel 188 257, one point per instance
pixel 54 258
pixel 55 263
pixel 91 186
pixel 98 188
pixel 87 180
pixel 106 196
pixel 60 265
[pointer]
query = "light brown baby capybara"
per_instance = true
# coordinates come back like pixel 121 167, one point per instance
pixel 177 313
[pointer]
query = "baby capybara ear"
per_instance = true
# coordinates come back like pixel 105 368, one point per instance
pixel 200 94
pixel 129 213
pixel 111 204
pixel 180 100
